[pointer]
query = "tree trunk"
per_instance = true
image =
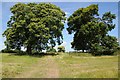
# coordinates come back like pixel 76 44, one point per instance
pixel 7 47
pixel 29 50
pixel 83 50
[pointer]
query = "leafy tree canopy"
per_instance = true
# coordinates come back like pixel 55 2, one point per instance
pixel 51 49
pixel 90 30
pixel 34 26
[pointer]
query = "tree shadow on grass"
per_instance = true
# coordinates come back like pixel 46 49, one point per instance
pixel 41 54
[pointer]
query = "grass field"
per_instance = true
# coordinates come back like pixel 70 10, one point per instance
pixel 59 66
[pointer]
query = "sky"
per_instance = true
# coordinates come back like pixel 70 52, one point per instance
pixel 68 8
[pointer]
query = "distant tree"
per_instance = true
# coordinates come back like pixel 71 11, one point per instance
pixel 91 31
pixel 34 26
pixel 61 49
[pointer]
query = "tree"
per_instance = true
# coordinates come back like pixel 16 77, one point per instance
pixel 61 49
pixel 34 26
pixel 90 30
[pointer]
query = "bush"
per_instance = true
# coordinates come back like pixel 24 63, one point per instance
pixel 61 49
pixel 13 51
pixel 36 53
pixel 8 51
pixel 105 52
pixel 117 52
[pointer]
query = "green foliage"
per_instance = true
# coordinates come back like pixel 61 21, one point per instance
pixel 108 46
pixel 117 52
pixel 34 26
pixel 61 49
pixel 50 49
pixel 12 51
pixel 91 31
pixel 7 51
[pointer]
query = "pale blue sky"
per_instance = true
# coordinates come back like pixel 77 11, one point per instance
pixel 59 0
pixel 69 8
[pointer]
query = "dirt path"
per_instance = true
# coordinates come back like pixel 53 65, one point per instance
pixel 52 71
pixel 45 68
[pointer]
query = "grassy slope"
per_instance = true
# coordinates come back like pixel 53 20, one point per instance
pixel 69 66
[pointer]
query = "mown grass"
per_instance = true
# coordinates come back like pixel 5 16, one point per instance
pixel 80 54
pixel 69 65
pixel 13 65
pixel 72 66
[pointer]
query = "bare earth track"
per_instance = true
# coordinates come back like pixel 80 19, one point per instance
pixel 50 70
pixel 53 71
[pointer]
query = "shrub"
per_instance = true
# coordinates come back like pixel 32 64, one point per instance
pixel 117 52
pixel 8 51
pixel 61 49
pixel 13 51
pixel 104 52
pixel 107 49
pixel 35 53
